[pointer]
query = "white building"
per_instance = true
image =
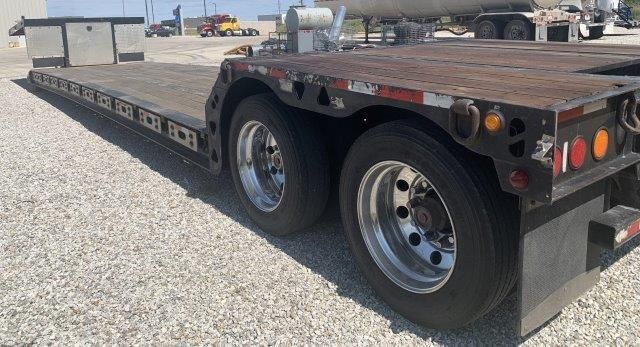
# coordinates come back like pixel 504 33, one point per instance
pixel 12 10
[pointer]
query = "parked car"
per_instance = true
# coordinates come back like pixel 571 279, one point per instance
pixel 160 32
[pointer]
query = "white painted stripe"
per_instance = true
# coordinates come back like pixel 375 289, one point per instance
pixel 286 85
pixel 362 87
pixel 595 106
pixel 437 100
pixel 565 154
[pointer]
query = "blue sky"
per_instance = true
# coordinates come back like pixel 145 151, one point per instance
pixel 248 9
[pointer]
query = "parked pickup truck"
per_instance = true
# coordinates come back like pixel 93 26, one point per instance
pixel 464 170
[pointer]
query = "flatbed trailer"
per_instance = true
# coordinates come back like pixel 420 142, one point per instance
pixel 464 168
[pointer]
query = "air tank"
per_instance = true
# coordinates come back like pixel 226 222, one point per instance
pixel 432 8
pixel 307 18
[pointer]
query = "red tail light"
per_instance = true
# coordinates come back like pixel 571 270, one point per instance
pixel 557 162
pixel 519 179
pixel 577 153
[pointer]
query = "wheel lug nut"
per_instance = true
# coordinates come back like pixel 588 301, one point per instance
pixel 270 150
pixel 413 202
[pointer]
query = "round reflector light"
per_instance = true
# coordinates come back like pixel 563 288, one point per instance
pixel 519 179
pixel 557 162
pixel 577 153
pixel 493 122
pixel 600 144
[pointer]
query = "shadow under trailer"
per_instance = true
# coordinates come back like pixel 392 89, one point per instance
pixel 465 170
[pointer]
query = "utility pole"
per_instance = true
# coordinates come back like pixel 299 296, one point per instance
pixel 153 15
pixel 279 9
pixel 215 7
pixel 204 2
pixel 146 7
pixel 123 14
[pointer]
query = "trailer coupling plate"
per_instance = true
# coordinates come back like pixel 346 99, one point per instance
pixel 615 227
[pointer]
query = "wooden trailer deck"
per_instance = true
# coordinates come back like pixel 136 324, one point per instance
pixel 158 87
pixel 526 74
pixel 582 57
pixel 538 76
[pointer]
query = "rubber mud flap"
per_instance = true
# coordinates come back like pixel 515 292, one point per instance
pixel 557 263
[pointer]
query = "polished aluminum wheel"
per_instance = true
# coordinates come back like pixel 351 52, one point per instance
pixel 261 166
pixel 406 226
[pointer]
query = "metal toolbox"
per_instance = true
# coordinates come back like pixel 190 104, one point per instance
pixel 67 42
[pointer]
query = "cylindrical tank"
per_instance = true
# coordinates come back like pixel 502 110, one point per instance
pixel 607 5
pixel 307 18
pixel 431 8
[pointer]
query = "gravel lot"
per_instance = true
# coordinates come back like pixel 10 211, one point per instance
pixel 107 238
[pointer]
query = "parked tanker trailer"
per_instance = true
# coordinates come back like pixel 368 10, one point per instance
pixel 539 20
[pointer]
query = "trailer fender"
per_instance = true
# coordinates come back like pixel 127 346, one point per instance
pixel 221 104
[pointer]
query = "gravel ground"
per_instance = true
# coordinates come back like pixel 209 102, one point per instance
pixel 107 238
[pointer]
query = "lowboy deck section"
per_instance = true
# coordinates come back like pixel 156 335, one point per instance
pixel 163 102
pixel 181 88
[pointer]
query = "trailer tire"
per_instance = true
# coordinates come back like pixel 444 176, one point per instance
pixel 485 228
pixel 488 30
pixel 303 159
pixel 253 32
pixel 518 30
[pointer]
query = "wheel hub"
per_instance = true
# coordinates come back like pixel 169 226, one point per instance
pixel 261 166
pixel 406 227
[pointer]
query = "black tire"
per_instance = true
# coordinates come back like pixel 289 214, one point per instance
pixel 596 32
pixel 518 30
pixel 253 32
pixel 209 33
pixel 305 158
pixel 228 32
pixel 485 224
pixel 488 30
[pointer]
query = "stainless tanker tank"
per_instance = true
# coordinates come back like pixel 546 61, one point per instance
pixel 432 8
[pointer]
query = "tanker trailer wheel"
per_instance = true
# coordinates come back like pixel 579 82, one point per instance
pixel 488 30
pixel 279 164
pixel 432 232
pixel 518 30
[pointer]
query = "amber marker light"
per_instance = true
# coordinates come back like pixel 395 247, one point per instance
pixel 493 122
pixel 600 144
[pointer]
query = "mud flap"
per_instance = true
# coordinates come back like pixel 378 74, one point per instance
pixel 557 262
